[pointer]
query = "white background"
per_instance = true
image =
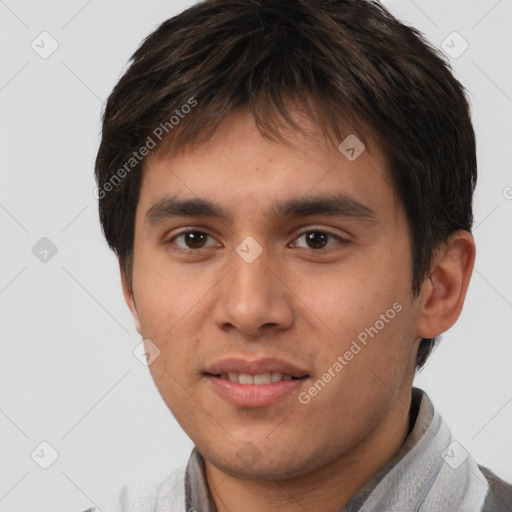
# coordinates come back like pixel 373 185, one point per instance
pixel 67 372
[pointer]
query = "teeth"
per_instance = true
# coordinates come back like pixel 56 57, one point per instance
pixel 260 378
pixel 245 378
pixel 263 378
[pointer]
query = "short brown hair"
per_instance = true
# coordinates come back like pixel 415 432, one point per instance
pixel 345 63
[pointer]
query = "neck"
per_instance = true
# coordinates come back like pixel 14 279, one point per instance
pixel 325 489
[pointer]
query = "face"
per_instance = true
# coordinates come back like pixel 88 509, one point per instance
pixel 282 308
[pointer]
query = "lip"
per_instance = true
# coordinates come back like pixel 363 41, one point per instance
pixel 265 365
pixel 255 395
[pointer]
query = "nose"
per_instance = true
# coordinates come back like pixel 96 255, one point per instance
pixel 253 298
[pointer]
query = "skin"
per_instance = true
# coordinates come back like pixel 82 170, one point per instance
pixel 294 302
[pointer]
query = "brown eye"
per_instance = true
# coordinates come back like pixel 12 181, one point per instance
pixel 193 240
pixel 317 240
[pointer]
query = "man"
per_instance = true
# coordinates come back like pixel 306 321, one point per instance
pixel 288 187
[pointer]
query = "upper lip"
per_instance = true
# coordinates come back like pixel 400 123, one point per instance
pixel 265 365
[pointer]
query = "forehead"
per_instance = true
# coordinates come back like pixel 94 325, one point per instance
pixel 238 168
pixel 308 142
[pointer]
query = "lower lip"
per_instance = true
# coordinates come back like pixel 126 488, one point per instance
pixel 254 395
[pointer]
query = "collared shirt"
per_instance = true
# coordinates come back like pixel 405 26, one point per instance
pixel 430 473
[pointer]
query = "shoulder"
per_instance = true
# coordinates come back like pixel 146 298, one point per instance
pixel 171 492
pixel 499 495
pixel 150 495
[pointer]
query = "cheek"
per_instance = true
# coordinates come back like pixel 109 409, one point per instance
pixel 372 326
pixel 353 299
pixel 167 294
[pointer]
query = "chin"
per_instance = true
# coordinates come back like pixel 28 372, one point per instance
pixel 262 471
pixel 251 462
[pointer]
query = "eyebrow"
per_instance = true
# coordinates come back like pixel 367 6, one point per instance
pixel 335 205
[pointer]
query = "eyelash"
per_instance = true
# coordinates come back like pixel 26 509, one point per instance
pixel 339 239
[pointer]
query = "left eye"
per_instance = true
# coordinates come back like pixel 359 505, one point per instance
pixel 318 239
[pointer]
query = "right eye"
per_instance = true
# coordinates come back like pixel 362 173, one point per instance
pixel 192 240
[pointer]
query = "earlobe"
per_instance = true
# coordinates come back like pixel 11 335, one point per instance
pixel 130 300
pixel 444 291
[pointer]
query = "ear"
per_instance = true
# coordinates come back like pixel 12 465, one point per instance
pixel 444 291
pixel 130 300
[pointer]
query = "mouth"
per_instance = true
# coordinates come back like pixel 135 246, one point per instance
pixel 255 384
pixel 258 379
